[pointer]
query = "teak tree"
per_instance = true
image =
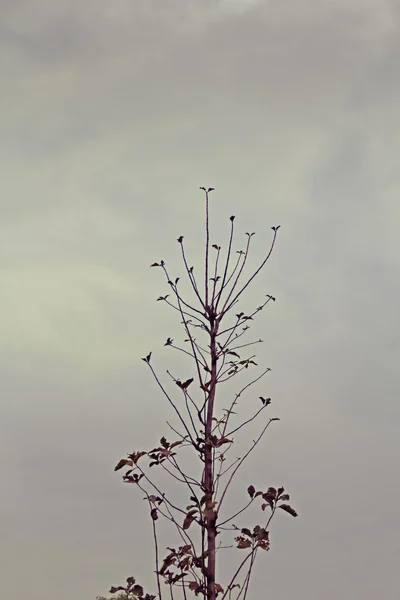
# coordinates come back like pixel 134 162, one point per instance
pixel 205 428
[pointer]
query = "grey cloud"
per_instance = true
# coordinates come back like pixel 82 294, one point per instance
pixel 113 114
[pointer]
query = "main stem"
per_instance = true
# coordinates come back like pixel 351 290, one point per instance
pixel 209 464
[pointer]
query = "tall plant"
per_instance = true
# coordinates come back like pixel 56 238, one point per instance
pixel 214 331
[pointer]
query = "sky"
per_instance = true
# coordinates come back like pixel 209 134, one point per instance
pixel 112 114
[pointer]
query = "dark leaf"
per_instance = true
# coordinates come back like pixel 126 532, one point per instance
pixel 186 383
pixel 189 519
pixel 137 590
pixel 155 499
pixel 242 543
pixel 131 580
pixel 261 533
pixel 164 442
pixel 210 189
pixel 175 444
pixel 155 265
pixel 251 490
pixel 232 218
pixel 154 514
pixel 168 342
pixel 147 358
pixel 162 298
pixel 288 509
pixel 180 239
pixel 265 401
pixel 114 590
pixel 203 188
pixel 123 463
pixel 246 531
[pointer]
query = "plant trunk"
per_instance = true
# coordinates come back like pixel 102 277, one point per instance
pixel 209 467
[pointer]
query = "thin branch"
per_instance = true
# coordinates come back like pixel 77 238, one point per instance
pixel 237 573
pixel 237 513
pixel 191 276
pixel 215 276
pixel 171 402
pixel 207 249
pixel 246 254
pixel 226 308
pixel 255 442
pixel 248 421
pixel 226 264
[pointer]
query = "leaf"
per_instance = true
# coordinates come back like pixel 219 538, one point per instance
pixel 275 228
pixel 114 590
pixel 233 353
pixel 218 588
pixel 155 499
pixel 193 585
pixel 265 401
pixel 185 384
pixel 137 590
pixel 263 544
pixel 162 298
pixel 242 543
pixel 123 463
pixel 203 188
pixel 189 519
pixel 135 456
pixel 178 443
pixel 232 218
pixel 131 580
pixel 288 509
pixel 210 190
pixel 223 440
pixel 168 342
pixel 251 490
pixel 155 265
pixel 154 514
pixel 180 239
pixel 147 358
pixel 246 531
pixel 135 478
pixel 261 533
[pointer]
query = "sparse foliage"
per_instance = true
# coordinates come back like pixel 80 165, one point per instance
pixel 213 342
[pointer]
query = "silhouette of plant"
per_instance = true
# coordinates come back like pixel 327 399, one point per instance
pixel 213 343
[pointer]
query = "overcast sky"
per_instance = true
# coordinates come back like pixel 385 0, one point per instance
pixel 113 113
